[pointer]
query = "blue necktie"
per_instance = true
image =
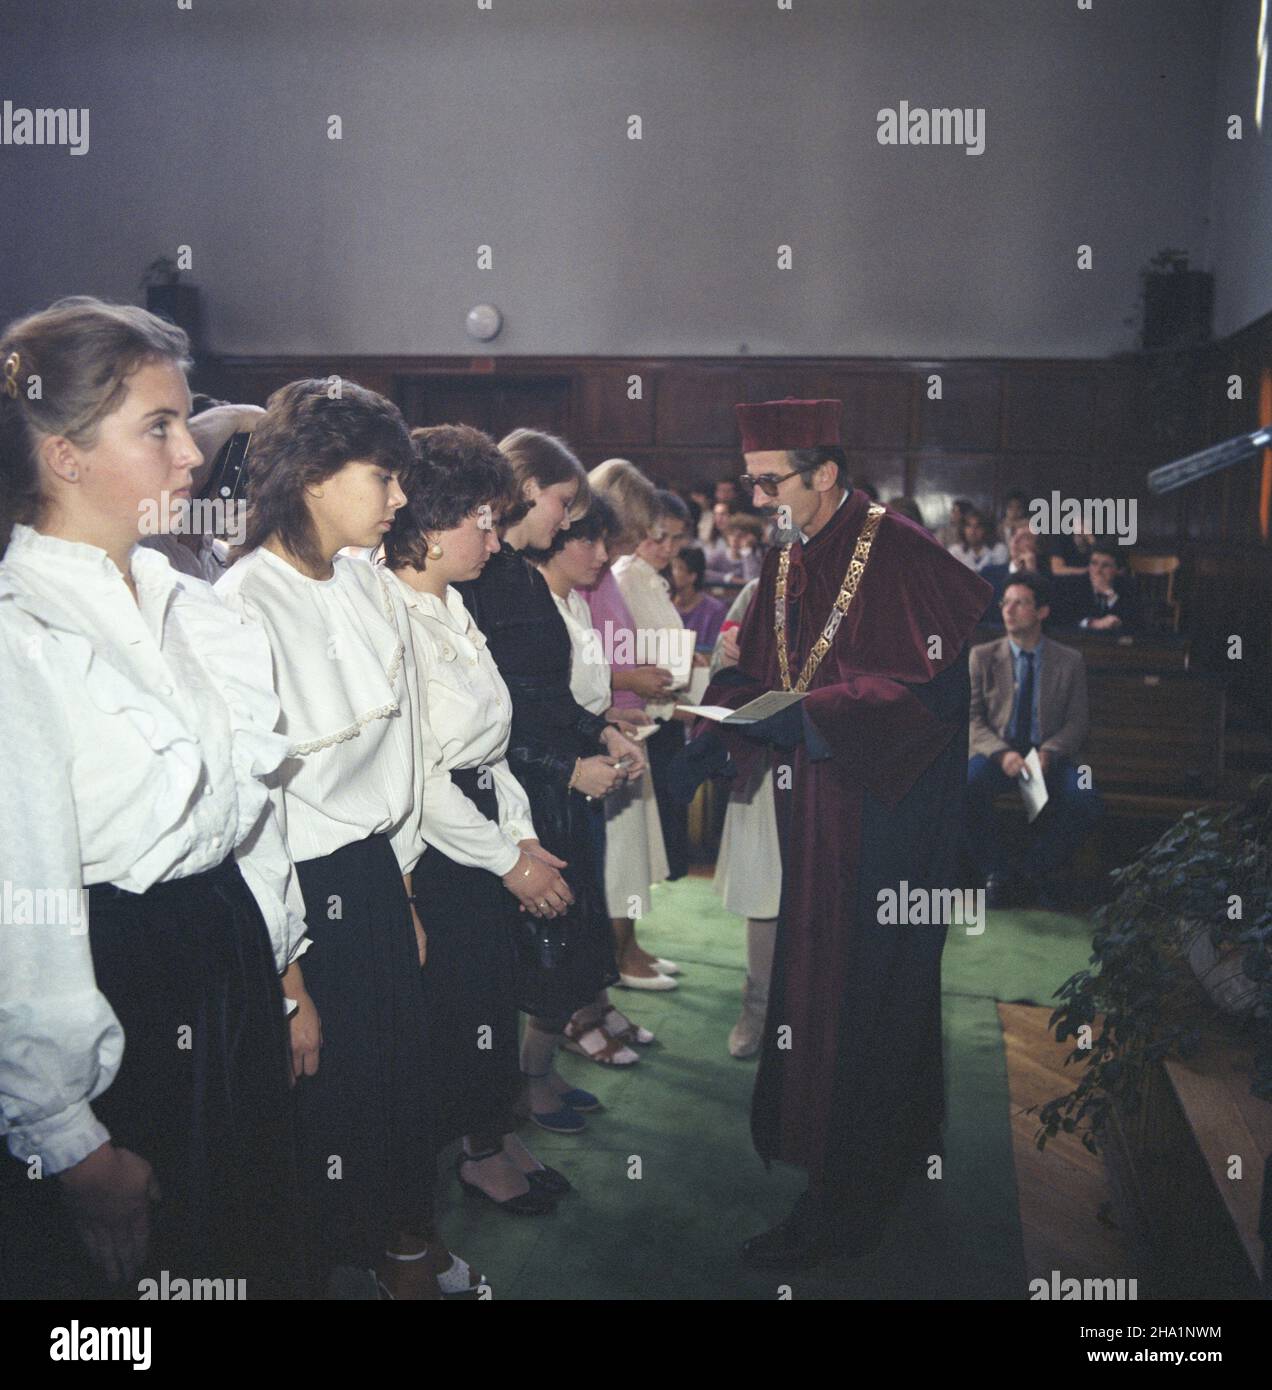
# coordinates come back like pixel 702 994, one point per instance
pixel 1022 731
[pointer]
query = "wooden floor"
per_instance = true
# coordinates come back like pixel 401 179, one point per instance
pixel 1062 1189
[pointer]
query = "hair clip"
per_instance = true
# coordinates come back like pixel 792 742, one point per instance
pixel 11 366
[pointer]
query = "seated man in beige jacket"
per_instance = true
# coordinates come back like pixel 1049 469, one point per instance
pixel 1027 692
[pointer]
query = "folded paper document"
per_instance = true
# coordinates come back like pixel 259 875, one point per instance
pixel 773 702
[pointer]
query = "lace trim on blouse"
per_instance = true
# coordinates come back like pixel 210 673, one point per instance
pixel 382 711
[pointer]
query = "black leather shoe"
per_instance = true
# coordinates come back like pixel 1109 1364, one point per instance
pixel 535 1202
pixel 549 1180
pixel 795 1243
pixel 809 1236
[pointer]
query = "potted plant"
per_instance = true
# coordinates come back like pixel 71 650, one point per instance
pixel 1188 936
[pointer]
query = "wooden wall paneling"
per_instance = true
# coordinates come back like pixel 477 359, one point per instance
pixel 1038 475
pixel 1158 516
pixel 886 472
pixel 1120 411
pixel 939 478
pixel 603 411
pixel 877 408
pixel 487 402
pixel 1047 409
pixel 966 417
pixel 695 406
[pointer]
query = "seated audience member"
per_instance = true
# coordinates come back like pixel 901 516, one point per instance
pixel 739 558
pixel 1022 553
pixel 1027 692
pixel 1014 516
pixel 726 491
pixel 1069 555
pixel 712 534
pixel 908 508
pixel 698 500
pixel 699 611
pixel 951 534
pixel 976 552
pixel 1102 599
pixel 191 547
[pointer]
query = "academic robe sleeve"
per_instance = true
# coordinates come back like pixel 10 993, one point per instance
pixel 879 731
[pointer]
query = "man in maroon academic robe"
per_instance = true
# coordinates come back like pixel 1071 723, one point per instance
pixel 869 776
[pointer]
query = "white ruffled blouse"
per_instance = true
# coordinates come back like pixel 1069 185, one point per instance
pixel 138 737
pixel 345 675
pixel 589 671
pixel 466 715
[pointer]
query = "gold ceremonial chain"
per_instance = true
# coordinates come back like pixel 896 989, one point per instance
pixel 847 591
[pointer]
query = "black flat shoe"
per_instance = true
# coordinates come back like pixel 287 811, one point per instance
pixel 536 1202
pixel 794 1243
pixel 549 1181
pixel 808 1236
pixel 787 1246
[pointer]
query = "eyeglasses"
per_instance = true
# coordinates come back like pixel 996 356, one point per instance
pixel 768 483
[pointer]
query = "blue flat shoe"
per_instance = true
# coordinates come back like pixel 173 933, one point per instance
pixel 582 1101
pixel 563 1121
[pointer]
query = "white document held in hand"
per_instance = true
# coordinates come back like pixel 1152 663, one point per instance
pixel 1033 792
pixel 773 702
pixel 675 647
pixel 698 682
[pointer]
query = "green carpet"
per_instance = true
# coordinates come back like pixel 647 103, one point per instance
pixel 667 1183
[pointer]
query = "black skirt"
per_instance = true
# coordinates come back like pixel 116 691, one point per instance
pixel 469 985
pixel 564 962
pixel 202 1091
pixel 364 1121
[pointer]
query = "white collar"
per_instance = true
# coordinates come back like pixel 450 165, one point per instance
pixel 843 498
pixel 451 611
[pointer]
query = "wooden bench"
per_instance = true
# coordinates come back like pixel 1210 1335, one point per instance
pixel 1156 732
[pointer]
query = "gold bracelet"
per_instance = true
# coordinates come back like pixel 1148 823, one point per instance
pixel 574 776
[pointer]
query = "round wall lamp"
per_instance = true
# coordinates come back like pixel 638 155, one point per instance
pixel 484 322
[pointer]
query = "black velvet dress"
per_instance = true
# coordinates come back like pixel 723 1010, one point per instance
pixel 562 962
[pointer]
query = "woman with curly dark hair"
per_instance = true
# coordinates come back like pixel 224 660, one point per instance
pixel 484 861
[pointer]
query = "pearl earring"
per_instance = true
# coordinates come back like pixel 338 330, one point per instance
pixel 435 551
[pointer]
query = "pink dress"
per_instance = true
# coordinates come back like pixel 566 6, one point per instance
pixel 607 605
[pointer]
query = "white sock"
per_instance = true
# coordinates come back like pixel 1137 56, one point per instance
pixel 457 1278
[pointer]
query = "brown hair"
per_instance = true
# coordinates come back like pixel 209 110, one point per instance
pixel 457 470
pixel 630 493
pixel 546 460
pixel 309 432
pixel 744 521
pixel 79 353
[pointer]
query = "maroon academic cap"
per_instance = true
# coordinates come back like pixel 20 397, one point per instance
pixel 788 424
